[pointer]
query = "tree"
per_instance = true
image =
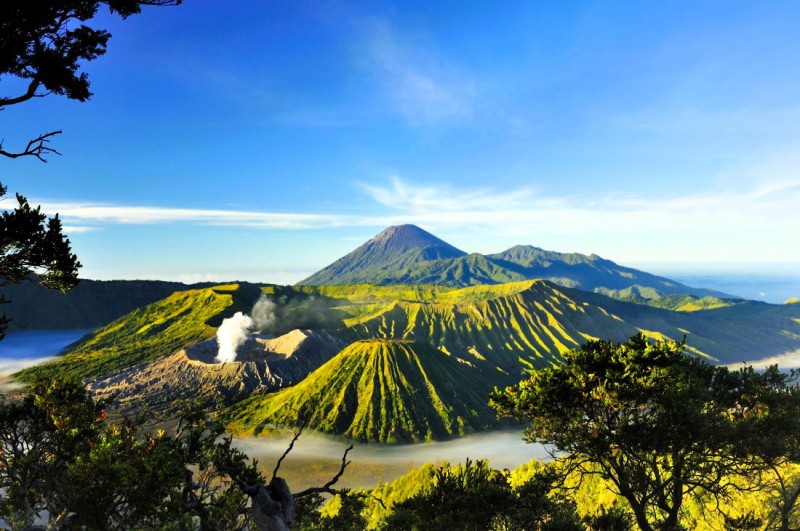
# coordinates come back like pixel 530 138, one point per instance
pixel 44 44
pixel 32 244
pixel 659 425
pixel 476 497
pixel 61 459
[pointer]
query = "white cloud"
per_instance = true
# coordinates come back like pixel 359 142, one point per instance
pixel 764 207
pixel 789 360
pixel 100 213
pixel 71 229
pixel 419 83
pixel 753 223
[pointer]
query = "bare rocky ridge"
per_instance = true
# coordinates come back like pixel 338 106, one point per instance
pixel 262 365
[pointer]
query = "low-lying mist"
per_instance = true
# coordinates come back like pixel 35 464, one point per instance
pixel 789 360
pixel 315 458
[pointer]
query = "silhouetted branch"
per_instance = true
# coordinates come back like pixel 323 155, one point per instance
pixel 327 486
pixel 29 93
pixel 289 449
pixel 36 148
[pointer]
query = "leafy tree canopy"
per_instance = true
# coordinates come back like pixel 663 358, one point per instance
pixel 60 459
pixel 43 47
pixel 476 497
pixel 658 424
pixel 33 244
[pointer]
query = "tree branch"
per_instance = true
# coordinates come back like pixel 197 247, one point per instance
pixel 289 449
pixel 327 486
pixel 30 93
pixel 36 148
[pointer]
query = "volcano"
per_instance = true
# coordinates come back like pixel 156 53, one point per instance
pixel 262 364
pixel 380 259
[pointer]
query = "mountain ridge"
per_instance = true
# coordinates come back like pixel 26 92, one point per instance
pixel 418 257
pixel 395 248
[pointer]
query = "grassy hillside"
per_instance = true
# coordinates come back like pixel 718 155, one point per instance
pixel 377 390
pixel 500 329
pixel 91 304
pixel 746 331
pixel 156 330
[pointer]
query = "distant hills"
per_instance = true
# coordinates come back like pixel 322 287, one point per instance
pixel 406 254
pixel 399 341
pixel 90 304
pixel 428 351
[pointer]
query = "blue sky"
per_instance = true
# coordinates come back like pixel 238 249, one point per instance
pixel 263 140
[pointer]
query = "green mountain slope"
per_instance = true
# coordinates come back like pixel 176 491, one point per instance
pixel 500 329
pixel 422 358
pixel 409 255
pixel 470 270
pixel 746 331
pixel 90 304
pixel 506 327
pixel 379 260
pixel 377 390
pixel 591 273
pixel 150 332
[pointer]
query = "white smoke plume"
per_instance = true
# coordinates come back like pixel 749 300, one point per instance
pixel 263 314
pixel 232 333
pixel 233 330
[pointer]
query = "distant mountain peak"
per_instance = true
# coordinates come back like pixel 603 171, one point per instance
pixel 393 250
pixel 402 238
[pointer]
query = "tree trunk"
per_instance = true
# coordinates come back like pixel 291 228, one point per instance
pixel 273 506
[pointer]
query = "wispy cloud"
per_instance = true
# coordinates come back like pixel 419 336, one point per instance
pixel 753 222
pixel 419 83
pixel 425 199
pixel 767 206
pixel 100 214
pixel 73 229
pixel 789 360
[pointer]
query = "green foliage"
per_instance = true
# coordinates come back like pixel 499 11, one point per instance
pixel 58 454
pixel 376 390
pixel 33 244
pixel 476 497
pixel 347 516
pixel 659 425
pixel 614 518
